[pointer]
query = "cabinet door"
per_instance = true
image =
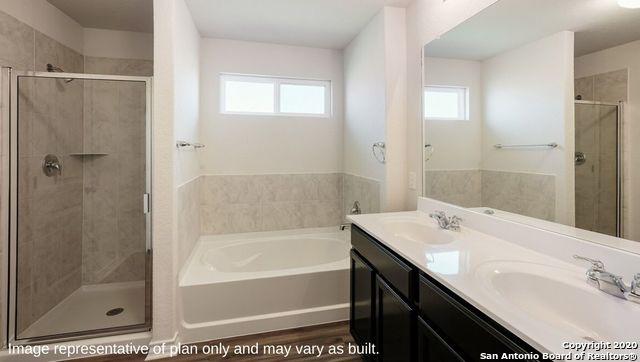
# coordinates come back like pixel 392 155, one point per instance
pixel 394 319
pixel 362 311
pixel 432 348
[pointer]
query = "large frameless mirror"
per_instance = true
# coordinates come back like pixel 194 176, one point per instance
pixel 529 114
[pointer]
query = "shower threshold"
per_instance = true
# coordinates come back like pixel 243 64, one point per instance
pixel 90 308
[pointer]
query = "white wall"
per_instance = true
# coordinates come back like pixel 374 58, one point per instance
pixel 456 144
pixel 117 44
pixel 623 56
pixel 246 144
pixel 47 19
pixel 395 47
pixel 186 120
pixel 426 20
pixel 528 93
pixel 365 100
pixel 169 15
pixel 375 104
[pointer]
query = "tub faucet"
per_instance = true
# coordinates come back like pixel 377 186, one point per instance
pixel 355 209
pixel 445 222
pixel 600 278
pixel 345 226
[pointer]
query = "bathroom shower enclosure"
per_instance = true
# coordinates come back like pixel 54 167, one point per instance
pixel 79 209
pixel 598 167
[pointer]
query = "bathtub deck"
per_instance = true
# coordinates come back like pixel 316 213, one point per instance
pixel 323 335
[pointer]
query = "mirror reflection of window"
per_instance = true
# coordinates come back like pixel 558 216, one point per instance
pixel 446 103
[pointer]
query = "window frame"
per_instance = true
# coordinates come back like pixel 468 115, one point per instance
pixel 463 107
pixel 277 82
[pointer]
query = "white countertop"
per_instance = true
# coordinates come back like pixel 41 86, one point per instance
pixel 468 264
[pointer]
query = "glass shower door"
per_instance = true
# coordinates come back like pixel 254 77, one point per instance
pixel 597 167
pixel 80 181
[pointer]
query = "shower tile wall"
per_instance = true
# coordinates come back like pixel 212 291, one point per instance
pixel 50 208
pixel 4 200
pixel 522 193
pixel 596 134
pixel 114 223
pixel 51 212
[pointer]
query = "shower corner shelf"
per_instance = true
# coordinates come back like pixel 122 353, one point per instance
pixel 88 154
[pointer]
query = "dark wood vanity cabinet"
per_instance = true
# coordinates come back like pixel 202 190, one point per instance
pixel 394 324
pixel 408 316
pixel 362 311
pixel 431 347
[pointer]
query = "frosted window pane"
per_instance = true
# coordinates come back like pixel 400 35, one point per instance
pixel 446 103
pixel 251 97
pixel 296 98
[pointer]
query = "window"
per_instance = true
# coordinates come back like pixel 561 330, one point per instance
pixel 446 103
pixel 258 95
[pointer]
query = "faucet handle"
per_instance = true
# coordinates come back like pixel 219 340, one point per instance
pixel 597 265
pixel 438 213
pixel 635 284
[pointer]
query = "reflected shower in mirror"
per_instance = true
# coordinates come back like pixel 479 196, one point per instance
pixel 534 122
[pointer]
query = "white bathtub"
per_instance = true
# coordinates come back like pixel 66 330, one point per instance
pixel 256 282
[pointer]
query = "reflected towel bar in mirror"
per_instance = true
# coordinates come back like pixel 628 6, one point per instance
pixel 185 144
pixel 541 145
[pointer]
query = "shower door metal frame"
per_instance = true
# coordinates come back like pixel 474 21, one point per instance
pixel 619 161
pixel 12 113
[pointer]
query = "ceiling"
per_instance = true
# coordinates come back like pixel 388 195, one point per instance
pixel 315 23
pixel 598 24
pixel 129 15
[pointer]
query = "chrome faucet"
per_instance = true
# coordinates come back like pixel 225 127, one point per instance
pixel 355 209
pixel 445 222
pixel 610 283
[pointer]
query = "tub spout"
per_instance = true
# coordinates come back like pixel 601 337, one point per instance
pixel 345 226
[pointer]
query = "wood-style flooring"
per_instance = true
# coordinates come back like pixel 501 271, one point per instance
pixel 333 334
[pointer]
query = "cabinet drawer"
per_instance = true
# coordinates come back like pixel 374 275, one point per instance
pixel 398 273
pixel 459 326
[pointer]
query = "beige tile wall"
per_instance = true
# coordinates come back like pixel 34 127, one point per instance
pixel 518 192
pixel 114 124
pixel 221 204
pixel 189 216
pixel 366 191
pixel 53 240
pixel 244 203
pixel 49 208
pixel 458 187
pixel 522 193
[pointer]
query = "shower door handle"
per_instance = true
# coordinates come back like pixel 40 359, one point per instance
pixel 146 204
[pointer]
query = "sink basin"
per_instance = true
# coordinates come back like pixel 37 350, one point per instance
pixel 417 230
pixel 560 298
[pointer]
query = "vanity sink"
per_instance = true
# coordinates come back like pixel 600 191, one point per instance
pixel 558 297
pixel 417 230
